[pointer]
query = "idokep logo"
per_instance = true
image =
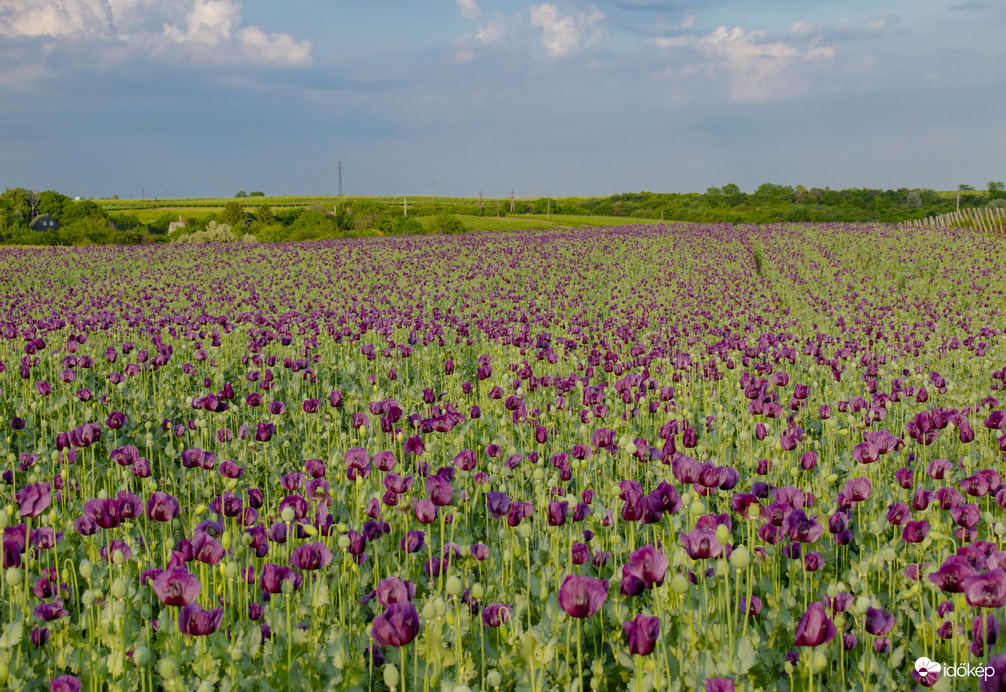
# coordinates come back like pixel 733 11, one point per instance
pixel 929 671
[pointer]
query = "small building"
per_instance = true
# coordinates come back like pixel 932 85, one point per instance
pixel 176 224
pixel 43 222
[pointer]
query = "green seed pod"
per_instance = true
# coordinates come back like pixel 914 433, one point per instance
pixel 525 530
pixel 696 508
pixel 288 514
pixel 820 662
pixel 146 612
pixel 477 592
pixel 87 598
pixel 494 678
pixel 4 519
pixel 118 588
pixel 391 676
pixel 168 668
pixel 118 558
pixel 441 607
pixel 206 686
pixel 679 584
pixel 722 534
pixel 232 570
pixel 13 576
pixel 740 558
pixel 287 586
pixel 454 585
pixel 429 611
pixel 343 542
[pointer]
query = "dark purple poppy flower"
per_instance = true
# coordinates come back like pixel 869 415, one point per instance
pixel 719 685
pixel 413 541
pixel 986 590
pixel 648 564
pixel 439 489
pixel 230 469
pixel 814 628
pixel 581 597
pixel 176 587
pixel 85 526
pixel 986 629
pixel 65 683
pixel 105 512
pixel 33 499
pixel 701 544
pixel 50 611
pixel 915 531
pixel 264 432
pixel 754 609
pixel 273 577
pixel 398 625
pixel 207 549
pixel 108 551
pixel 879 622
pixel 642 633
pixel 195 621
pixel 162 507
pixel 394 590
pixel 496 614
pixel 557 512
pixel 311 556
pixel 115 420
pixel 801 528
pixel 414 445
pixel 315 468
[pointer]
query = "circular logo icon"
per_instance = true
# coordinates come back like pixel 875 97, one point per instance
pixel 928 670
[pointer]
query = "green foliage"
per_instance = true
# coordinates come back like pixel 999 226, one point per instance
pixel 256 193
pixel 407 225
pixel 51 202
pixel 241 193
pixel 233 215
pixel 214 233
pixel 447 223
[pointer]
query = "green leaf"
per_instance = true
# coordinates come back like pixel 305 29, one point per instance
pixel 11 635
pixel 897 656
pixel 320 597
pixel 745 656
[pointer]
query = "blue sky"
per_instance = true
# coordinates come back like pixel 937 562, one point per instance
pixel 208 97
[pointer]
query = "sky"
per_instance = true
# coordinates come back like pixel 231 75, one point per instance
pixel 181 98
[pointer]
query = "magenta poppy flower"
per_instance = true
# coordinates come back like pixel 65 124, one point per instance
pixel 273 577
pixel 195 621
pixel 879 622
pixel 496 614
pixel 720 685
pixel 648 564
pixel 815 627
pixel 642 633
pixel 439 489
pixel 65 683
pixel 986 590
pixel 581 596
pixel 311 556
pixel 33 499
pixel 915 531
pixel 398 625
pixel 701 544
pixel 176 587
pixel 105 512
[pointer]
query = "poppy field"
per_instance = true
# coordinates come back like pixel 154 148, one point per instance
pixel 705 457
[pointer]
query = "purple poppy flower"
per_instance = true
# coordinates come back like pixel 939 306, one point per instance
pixel 719 685
pixel 195 621
pixel 398 625
pixel 814 628
pixel 65 683
pixel 915 531
pixel 311 556
pixel 162 507
pixel 986 590
pixel 394 590
pixel 648 564
pixel 176 587
pixel 105 512
pixel 440 490
pixel 115 420
pixel 50 611
pixel 701 544
pixel 414 445
pixel 557 512
pixel 581 597
pixel 879 622
pixel 496 614
pixel 642 633
pixel 273 577
pixel 33 499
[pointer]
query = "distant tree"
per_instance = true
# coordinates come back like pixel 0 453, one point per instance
pixel 233 214
pixel 256 193
pixel 964 187
pixel 731 189
pixel 241 193
pixel 51 202
pixel 996 186
pixel 913 199
pixel 264 215
pixel 407 225
pixel 448 223
pixel 713 190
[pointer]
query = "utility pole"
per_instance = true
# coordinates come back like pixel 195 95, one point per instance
pixel 405 206
pixel 340 178
pixel 513 207
pixel 480 200
pixel 143 193
pixel 433 189
pixel 287 193
pixel 162 189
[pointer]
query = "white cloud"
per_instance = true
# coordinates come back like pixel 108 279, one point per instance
pixel 204 30
pixel 562 36
pixel 216 24
pixel 754 65
pixel 32 18
pixel 468 9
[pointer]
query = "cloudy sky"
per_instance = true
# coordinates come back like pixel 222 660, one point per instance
pixel 208 97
